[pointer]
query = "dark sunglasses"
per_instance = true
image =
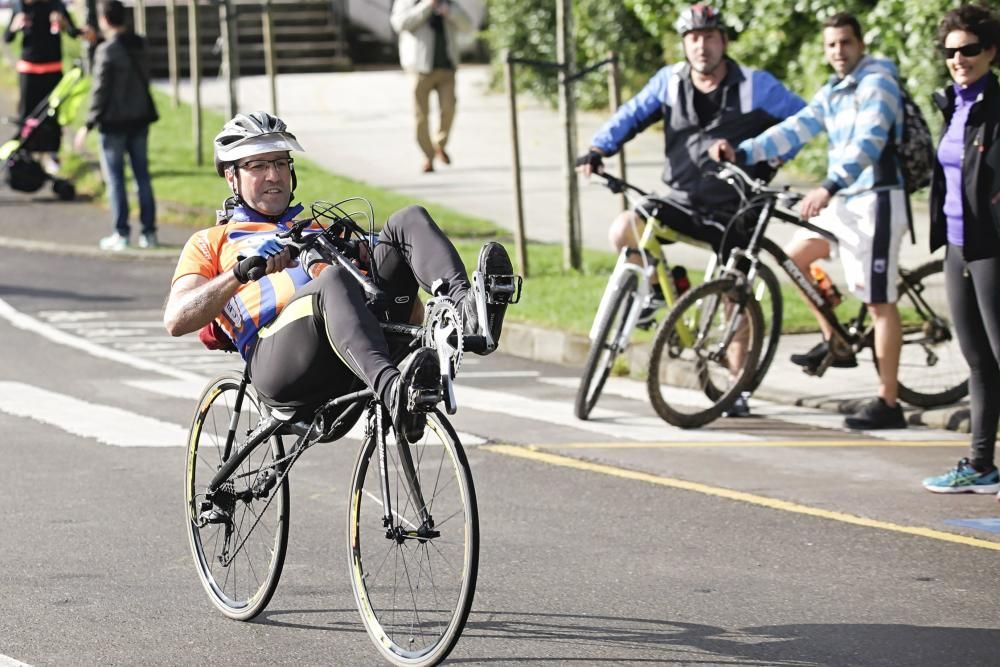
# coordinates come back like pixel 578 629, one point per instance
pixel 969 50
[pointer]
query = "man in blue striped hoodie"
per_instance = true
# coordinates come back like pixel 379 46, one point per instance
pixel 861 200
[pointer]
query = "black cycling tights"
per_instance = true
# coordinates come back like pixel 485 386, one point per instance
pixel 327 338
pixel 974 299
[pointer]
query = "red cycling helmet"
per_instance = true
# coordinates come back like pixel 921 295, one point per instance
pixel 700 17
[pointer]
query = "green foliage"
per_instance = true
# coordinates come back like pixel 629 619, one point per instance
pixel 527 30
pixel 781 36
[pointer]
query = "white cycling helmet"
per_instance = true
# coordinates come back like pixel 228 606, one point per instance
pixel 252 134
pixel 700 17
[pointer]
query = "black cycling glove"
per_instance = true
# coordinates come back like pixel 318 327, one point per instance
pixel 593 158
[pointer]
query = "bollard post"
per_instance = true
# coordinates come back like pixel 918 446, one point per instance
pixel 519 242
pixel 139 17
pixel 614 101
pixel 270 63
pixel 565 54
pixel 172 51
pixel 194 52
pixel 230 51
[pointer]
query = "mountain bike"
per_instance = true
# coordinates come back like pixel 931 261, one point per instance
pixel 629 293
pixel 413 524
pixel 932 371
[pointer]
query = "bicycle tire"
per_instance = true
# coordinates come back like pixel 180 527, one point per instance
pixel 773 310
pixel 604 349
pixel 932 369
pixel 414 611
pixel 242 587
pixel 677 385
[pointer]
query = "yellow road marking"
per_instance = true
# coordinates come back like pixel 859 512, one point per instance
pixel 740 496
pixel 757 443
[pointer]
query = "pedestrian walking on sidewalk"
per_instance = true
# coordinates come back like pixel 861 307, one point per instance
pixel 965 217
pixel 861 200
pixel 122 108
pixel 428 51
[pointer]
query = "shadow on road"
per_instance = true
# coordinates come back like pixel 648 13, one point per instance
pixel 594 639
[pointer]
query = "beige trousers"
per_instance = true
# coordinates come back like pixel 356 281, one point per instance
pixel 441 81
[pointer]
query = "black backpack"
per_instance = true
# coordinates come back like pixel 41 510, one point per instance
pixel 916 148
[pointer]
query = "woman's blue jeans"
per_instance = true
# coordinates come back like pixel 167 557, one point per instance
pixel 114 146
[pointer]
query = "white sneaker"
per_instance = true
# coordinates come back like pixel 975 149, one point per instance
pixel 148 240
pixel 115 243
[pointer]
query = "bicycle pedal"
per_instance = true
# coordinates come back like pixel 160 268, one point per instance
pixel 503 289
pixel 423 400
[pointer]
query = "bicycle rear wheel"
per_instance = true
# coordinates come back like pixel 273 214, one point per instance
pixel 414 579
pixel 606 347
pixel 932 368
pixel 693 374
pixel 238 539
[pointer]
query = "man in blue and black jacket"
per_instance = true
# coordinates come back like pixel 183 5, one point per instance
pixel 706 98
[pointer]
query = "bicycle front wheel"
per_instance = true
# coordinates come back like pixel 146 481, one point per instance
pixel 767 292
pixel 414 571
pixel 705 353
pixel 932 368
pixel 238 538
pixel 606 347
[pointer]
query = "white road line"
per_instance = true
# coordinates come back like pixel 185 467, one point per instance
pixel 28 323
pixel 608 423
pixel 190 390
pixel 104 423
pixel 126 324
pixel 790 414
pixel 7 661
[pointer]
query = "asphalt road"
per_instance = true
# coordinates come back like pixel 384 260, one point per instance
pixel 779 540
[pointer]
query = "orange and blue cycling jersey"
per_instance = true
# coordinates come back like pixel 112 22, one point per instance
pixel 211 252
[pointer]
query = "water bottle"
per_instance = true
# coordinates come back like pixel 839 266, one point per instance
pixel 826 287
pixel 681 281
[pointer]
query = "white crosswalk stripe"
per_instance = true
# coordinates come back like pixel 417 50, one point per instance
pixel 137 337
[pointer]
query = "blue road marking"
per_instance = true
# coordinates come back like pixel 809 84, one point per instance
pixel 992 525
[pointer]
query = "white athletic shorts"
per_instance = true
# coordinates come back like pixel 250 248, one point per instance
pixel 870 228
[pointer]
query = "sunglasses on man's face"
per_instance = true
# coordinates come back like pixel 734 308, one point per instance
pixel 968 50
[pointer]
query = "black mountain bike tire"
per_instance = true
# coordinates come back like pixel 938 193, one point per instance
pixel 910 393
pixel 773 314
pixel 241 588
pixel 601 358
pixel 381 564
pixel 666 346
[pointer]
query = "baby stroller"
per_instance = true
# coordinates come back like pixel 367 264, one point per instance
pixel 22 170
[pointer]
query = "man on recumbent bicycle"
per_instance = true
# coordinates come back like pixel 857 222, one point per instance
pixel 304 325
pixel 707 97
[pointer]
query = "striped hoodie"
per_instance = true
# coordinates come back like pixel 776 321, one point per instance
pixel 859 113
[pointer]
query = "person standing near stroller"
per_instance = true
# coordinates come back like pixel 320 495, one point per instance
pixel 39 69
pixel 122 108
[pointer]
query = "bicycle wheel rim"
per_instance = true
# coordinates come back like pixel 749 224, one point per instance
pixel 240 573
pixel 691 382
pixel 604 350
pixel 932 369
pixel 414 596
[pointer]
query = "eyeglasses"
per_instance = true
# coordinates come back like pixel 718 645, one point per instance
pixel 259 167
pixel 968 50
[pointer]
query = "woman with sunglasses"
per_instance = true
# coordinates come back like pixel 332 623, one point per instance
pixel 965 216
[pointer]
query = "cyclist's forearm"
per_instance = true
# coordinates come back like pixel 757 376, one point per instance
pixel 189 308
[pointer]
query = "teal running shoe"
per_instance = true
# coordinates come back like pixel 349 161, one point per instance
pixel 964 479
